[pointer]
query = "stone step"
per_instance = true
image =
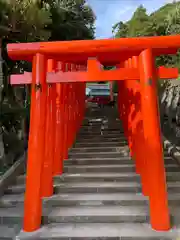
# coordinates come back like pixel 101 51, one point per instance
pixel 110 167
pixel 87 214
pixel 102 154
pixel 99 231
pixel 94 123
pixel 97 149
pixel 91 136
pixel 172 176
pixel 72 199
pixel 121 152
pixel 100 119
pixel 97 161
pixel 115 151
pixel 113 161
pixel 85 199
pixel 103 214
pixel 101 144
pixel 85 187
pixel 81 214
pixel 120 159
pixel 99 196
pixel 99 168
pixel 104 177
pixel 96 187
pixel 106 143
pixel 89 132
pixel 105 117
pixel 101 139
pixel 95 117
pixel 106 129
pixel 9 232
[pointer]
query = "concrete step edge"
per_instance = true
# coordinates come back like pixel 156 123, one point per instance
pixel 97 148
pixel 100 153
pixel 82 211
pixel 87 231
pixel 90 197
pixel 104 140
pixel 98 184
pixel 120 165
pixel 120 158
pixel 83 199
pixel 105 144
pixel 105 176
pixel 9 232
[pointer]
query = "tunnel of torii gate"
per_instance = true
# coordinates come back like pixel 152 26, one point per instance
pixel 60 71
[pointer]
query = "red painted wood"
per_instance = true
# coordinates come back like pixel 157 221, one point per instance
pixel 93 76
pixel 152 150
pixel 81 48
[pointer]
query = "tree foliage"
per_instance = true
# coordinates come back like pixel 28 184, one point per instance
pixel 71 19
pixel 164 21
pixel 25 20
pixel 31 21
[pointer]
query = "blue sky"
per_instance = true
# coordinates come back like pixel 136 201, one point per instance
pixel 109 12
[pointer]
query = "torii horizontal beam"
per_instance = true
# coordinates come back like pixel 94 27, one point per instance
pixel 93 74
pixel 107 75
pixel 80 50
pixel 106 58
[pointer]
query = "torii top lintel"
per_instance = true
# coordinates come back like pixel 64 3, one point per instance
pixel 106 50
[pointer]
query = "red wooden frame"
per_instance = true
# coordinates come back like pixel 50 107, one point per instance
pixel 72 64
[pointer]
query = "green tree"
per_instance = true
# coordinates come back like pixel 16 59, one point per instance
pixel 135 27
pixel 138 22
pixel 20 21
pixel 164 21
pixel 120 29
pixel 29 21
pixel 71 20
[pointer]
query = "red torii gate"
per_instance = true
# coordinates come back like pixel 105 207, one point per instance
pixel 59 73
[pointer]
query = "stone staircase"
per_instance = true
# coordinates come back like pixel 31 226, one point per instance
pixel 99 194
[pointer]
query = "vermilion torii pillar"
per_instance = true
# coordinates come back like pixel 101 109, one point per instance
pixel 138 130
pixel 153 143
pixel 50 133
pixel 145 108
pixel 33 202
pixel 59 135
pixel 93 53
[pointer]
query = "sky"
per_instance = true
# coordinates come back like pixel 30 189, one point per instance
pixel 109 12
